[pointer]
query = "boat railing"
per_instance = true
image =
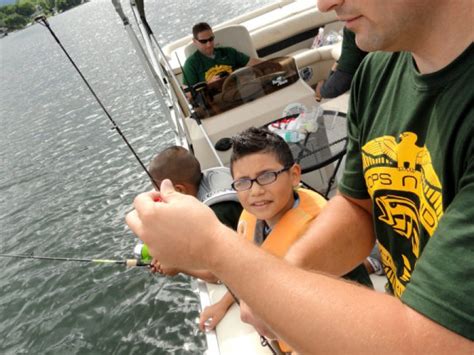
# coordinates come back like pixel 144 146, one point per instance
pixel 177 104
pixel 159 78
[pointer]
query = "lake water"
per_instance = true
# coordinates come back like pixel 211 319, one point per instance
pixel 67 181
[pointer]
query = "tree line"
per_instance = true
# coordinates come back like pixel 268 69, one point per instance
pixel 20 14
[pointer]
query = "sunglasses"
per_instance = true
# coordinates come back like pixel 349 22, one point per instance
pixel 204 41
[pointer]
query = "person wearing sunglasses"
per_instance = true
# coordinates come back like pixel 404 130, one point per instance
pixel 210 63
pixel 276 210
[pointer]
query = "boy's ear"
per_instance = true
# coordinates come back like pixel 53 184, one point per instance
pixel 181 188
pixel 295 172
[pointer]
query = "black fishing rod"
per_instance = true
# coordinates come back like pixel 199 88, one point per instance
pixel 126 262
pixel 42 20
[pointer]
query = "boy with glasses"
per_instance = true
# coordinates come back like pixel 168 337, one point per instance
pixel 276 210
pixel 208 63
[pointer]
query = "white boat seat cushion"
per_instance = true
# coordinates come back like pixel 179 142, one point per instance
pixel 306 57
pixel 235 36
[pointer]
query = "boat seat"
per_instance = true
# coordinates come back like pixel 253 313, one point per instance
pixel 309 56
pixel 235 36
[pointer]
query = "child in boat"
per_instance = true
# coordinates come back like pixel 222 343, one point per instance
pixel 276 210
pixel 211 186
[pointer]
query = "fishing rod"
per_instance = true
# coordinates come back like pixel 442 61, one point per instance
pixel 126 262
pixel 42 20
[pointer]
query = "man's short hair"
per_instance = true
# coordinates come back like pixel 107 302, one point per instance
pixel 260 140
pixel 177 164
pixel 200 27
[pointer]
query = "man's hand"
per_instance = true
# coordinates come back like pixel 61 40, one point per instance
pixel 317 91
pixel 214 78
pixel 156 266
pixel 180 231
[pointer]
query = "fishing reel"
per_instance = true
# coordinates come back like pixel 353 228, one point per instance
pixel 141 252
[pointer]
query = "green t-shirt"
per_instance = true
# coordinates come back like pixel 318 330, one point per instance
pixel 411 150
pixel 351 55
pixel 199 67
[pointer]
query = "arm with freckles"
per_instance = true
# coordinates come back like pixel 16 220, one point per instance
pixel 327 315
pixel 338 240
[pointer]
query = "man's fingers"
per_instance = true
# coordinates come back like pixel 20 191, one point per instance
pixel 144 203
pixel 134 222
pixel 166 189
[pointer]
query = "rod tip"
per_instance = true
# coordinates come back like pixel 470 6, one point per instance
pixel 39 18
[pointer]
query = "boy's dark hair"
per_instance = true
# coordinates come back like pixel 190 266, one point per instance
pixel 260 140
pixel 200 27
pixel 177 164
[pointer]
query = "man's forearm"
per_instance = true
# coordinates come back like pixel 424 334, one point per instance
pixel 203 275
pixel 310 311
pixel 316 313
pixel 337 241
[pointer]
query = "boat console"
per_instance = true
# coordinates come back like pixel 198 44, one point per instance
pixel 243 85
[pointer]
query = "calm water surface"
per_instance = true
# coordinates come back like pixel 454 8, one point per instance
pixel 67 181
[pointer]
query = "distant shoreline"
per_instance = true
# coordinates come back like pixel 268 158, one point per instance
pixel 17 16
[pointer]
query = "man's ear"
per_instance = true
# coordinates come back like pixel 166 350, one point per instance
pixel 181 188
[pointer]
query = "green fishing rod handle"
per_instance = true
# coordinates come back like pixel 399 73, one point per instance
pixel 141 250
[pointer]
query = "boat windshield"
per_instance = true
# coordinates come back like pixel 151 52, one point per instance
pixel 243 85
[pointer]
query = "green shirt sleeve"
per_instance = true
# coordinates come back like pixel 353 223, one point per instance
pixel 191 71
pixel 240 58
pixel 351 55
pixel 353 181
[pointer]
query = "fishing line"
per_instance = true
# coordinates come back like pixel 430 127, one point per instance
pixel 44 22
pixel 126 262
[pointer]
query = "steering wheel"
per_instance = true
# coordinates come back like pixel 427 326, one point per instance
pixel 242 83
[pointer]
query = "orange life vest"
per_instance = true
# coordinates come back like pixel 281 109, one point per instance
pixel 289 228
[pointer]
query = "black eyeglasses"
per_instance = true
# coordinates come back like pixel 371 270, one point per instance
pixel 263 179
pixel 205 40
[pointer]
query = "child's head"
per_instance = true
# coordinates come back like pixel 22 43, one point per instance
pixel 180 166
pixel 264 156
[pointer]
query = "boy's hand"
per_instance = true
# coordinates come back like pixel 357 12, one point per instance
pixel 211 316
pixel 180 231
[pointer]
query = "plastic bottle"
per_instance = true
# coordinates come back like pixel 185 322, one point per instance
pixel 308 122
pixel 293 136
pixel 318 39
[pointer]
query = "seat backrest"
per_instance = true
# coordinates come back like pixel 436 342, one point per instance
pixel 235 36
